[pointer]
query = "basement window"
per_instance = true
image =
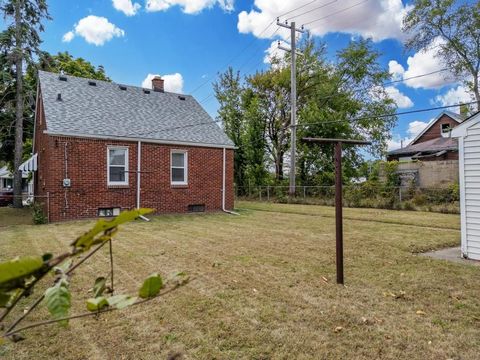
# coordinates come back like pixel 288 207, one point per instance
pixel 122 87
pixel 181 97
pixel 62 78
pixel 117 169
pixel 108 212
pixel 145 91
pixel 195 208
pixel 179 167
pixel 92 83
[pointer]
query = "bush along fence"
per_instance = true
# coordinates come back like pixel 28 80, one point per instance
pixel 364 195
pixel 20 276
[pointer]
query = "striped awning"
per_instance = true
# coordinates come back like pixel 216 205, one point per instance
pixel 30 164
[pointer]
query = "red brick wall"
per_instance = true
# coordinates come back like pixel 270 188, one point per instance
pixel 87 169
pixel 435 130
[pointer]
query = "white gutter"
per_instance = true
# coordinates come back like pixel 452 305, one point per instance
pixel 224 176
pixel 135 139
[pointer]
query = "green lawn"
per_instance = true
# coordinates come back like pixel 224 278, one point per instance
pixel 264 288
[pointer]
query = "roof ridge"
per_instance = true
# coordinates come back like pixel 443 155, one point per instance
pixel 111 83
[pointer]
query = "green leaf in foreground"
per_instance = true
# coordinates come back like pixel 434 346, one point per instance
pixel 151 286
pixel 58 300
pixel 121 301
pixel 4 299
pixel 97 303
pixel 87 240
pixel 19 268
pixel 99 287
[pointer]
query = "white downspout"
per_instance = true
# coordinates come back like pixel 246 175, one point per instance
pixel 139 160
pixel 139 172
pixel 224 176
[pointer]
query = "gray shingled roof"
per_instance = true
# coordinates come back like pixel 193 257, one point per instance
pixel 429 146
pixel 105 110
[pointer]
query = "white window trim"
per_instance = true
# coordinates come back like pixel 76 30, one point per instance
pixel 185 167
pixel 115 183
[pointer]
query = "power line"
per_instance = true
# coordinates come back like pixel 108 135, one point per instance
pixel 253 41
pixel 336 12
pixel 415 77
pixel 309 11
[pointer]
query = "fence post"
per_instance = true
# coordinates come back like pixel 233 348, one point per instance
pixel 268 192
pixel 260 193
pixel 400 193
pixel 48 207
pixel 304 191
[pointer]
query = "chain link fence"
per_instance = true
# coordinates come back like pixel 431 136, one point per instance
pixel 438 199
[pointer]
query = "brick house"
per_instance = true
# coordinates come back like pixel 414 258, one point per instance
pixel 101 147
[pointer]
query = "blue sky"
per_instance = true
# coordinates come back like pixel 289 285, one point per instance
pixel 190 41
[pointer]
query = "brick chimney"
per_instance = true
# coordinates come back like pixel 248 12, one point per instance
pixel 157 84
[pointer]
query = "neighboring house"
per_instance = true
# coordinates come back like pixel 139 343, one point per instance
pixel 433 143
pixel 431 158
pixel 102 147
pixel 6 181
pixel 468 134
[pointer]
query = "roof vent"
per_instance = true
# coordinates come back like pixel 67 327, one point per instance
pixel 92 83
pixel 59 97
pixel 62 78
pixel 146 91
pixel 122 87
pixel 181 97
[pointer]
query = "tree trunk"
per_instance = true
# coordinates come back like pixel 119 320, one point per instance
pixel 17 174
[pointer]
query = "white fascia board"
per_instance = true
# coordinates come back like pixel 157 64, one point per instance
pixel 143 140
pixel 461 130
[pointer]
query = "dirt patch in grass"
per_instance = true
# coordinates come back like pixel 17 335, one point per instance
pixel 264 289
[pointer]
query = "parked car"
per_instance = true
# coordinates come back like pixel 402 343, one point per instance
pixel 6 197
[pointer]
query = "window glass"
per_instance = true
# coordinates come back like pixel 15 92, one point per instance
pixel 117 156
pixel 178 167
pixel 117 166
pixel 178 159
pixel 178 175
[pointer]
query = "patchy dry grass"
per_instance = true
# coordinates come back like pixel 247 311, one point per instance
pixel 259 291
pixel 10 216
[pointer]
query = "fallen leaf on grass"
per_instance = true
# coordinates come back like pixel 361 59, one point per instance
pixel 324 279
pixel 338 329
pixel 420 312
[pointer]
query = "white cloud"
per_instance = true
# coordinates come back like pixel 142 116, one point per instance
pixel 189 6
pixel 400 99
pixel 396 70
pixel 95 30
pixel 423 62
pixel 454 96
pixel 414 128
pixel 68 36
pixel 380 19
pixel 173 82
pixel 128 7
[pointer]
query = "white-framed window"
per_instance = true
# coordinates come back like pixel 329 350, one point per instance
pixel 179 167
pixel 445 129
pixel 117 165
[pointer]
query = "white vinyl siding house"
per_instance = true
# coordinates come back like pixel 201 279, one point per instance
pixel 468 135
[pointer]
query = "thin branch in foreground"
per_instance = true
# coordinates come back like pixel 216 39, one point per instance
pixel 78 316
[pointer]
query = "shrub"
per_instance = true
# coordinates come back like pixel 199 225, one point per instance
pixel 38 214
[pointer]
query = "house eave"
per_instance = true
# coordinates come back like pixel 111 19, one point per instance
pixel 134 139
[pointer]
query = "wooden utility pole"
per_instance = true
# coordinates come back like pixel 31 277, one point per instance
pixel 293 100
pixel 338 195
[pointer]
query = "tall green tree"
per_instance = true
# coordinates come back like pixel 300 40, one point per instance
pixel 254 140
pixel 228 91
pixel 456 29
pixel 20 42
